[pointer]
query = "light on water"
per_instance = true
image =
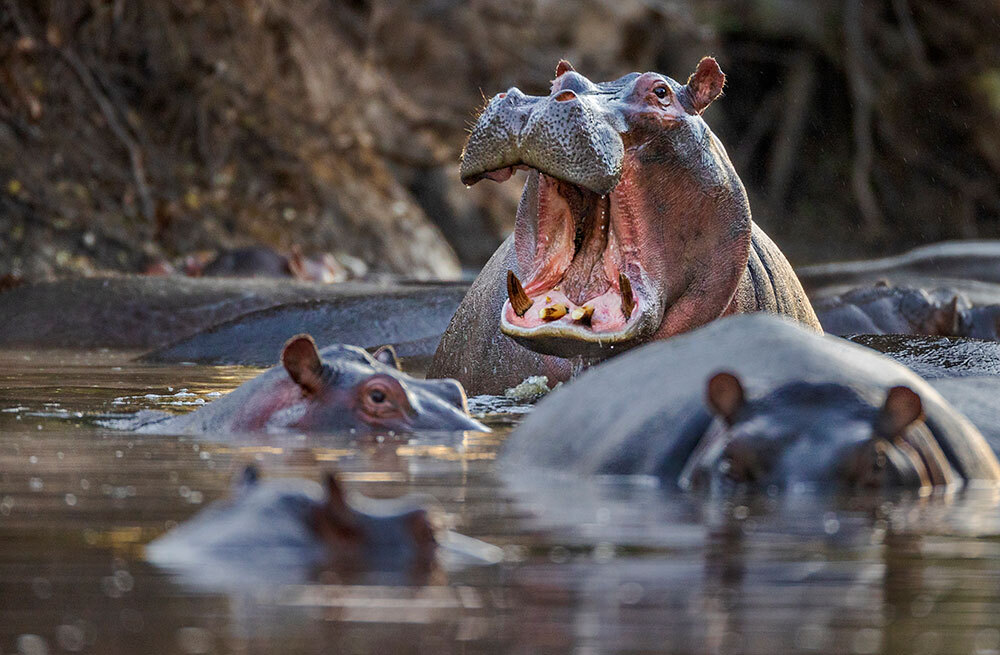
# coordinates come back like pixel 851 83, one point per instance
pixel 601 568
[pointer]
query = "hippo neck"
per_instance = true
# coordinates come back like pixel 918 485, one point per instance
pixel 689 209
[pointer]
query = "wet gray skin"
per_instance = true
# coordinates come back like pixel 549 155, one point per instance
pixel 886 309
pixel 288 530
pixel 795 410
pixel 572 135
pixel 339 389
pixel 813 436
pixel 937 357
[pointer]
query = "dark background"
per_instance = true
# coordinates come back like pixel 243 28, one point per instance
pixel 132 131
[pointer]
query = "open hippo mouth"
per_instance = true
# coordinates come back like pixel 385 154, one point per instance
pixel 580 285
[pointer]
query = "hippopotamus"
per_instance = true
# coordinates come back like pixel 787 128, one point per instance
pixel 633 226
pixel 886 309
pixel 287 530
pixel 754 402
pixel 339 388
pixel 975 261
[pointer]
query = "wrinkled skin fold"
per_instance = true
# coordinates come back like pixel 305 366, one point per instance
pixel 633 226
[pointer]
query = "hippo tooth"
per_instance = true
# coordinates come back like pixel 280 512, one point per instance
pixel 628 302
pixel 552 313
pixel 583 313
pixel 519 300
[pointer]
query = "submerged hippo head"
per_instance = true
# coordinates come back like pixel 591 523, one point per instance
pixel 631 208
pixel 816 435
pixel 290 528
pixel 349 389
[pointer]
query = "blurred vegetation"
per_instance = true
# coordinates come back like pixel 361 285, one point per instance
pixel 142 130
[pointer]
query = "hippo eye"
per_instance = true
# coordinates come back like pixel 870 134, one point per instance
pixel 383 398
pixel 661 92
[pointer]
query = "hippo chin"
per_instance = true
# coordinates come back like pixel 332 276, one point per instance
pixel 340 388
pixel 753 402
pixel 290 529
pixel 633 226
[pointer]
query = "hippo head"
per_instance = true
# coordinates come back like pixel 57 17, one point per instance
pixel 806 435
pixel 384 535
pixel 349 389
pixel 630 202
pixel 979 322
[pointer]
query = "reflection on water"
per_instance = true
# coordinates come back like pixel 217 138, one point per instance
pixel 602 567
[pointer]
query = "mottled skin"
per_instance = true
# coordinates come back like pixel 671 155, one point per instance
pixel 753 401
pixel 341 388
pixel 626 182
pixel 886 309
pixel 288 530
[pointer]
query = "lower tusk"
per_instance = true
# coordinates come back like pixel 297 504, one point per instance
pixel 628 302
pixel 519 300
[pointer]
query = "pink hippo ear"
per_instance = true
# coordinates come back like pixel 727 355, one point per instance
pixel 725 396
pixel 303 364
pixel 705 84
pixel 563 66
pixel 901 409
pixel 387 355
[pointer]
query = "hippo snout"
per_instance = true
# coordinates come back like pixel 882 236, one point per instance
pixel 571 135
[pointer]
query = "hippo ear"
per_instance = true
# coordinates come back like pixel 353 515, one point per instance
pixel 725 396
pixel 948 318
pixel 421 529
pixel 387 355
pixel 901 409
pixel 563 67
pixel 705 84
pixel 248 477
pixel 303 364
pixel 334 492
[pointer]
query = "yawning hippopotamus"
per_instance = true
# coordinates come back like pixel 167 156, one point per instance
pixel 756 400
pixel 287 530
pixel 633 226
pixel 339 388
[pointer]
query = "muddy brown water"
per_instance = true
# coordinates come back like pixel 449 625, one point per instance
pixel 603 567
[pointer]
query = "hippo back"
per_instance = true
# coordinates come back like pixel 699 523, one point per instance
pixel 643 412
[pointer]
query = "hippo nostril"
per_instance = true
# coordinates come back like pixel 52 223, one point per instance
pixel 502 96
pixel 565 96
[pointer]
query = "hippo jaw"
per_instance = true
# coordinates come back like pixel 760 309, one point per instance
pixel 567 240
pixel 614 184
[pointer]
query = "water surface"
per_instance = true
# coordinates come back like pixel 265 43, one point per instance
pixel 600 567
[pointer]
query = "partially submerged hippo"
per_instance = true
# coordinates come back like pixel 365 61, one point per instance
pixel 756 400
pixel 339 388
pixel 977 261
pixel 886 309
pixel 633 226
pixel 287 530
